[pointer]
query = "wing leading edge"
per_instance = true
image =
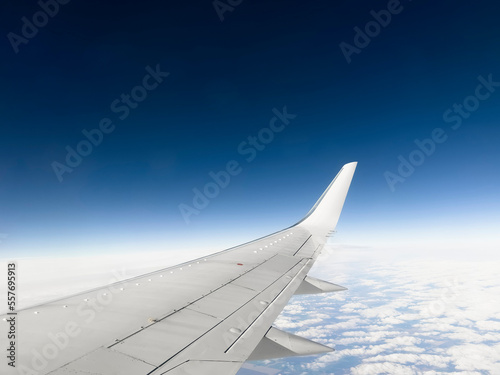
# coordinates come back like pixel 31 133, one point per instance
pixel 204 317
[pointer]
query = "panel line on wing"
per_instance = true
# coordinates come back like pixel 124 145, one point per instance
pixel 302 245
pixel 234 312
pixel 158 320
pixel 268 306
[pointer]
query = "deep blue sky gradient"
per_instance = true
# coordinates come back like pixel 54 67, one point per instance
pixel 225 79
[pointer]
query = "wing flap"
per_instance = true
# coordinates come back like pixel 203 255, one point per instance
pixel 204 367
pixel 162 340
pixel 280 344
pixel 311 285
pixel 104 361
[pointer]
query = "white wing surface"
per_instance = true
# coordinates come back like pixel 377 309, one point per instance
pixel 203 317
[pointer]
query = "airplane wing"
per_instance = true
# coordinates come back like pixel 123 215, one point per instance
pixel 204 317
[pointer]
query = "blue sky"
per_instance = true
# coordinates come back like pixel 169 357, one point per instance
pixel 225 78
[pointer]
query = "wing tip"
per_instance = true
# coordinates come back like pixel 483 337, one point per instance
pixel 329 206
pixel 351 164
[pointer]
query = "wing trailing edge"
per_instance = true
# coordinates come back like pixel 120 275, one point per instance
pixel 311 285
pixel 280 344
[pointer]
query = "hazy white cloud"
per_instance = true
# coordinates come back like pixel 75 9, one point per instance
pixel 488 325
pixel 470 357
pixel 416 359
pixel 287 323
pixel 383 368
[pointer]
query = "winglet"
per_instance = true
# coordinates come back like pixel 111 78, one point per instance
pixel 324 215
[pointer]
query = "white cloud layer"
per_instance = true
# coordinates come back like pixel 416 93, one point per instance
pixel 420 317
